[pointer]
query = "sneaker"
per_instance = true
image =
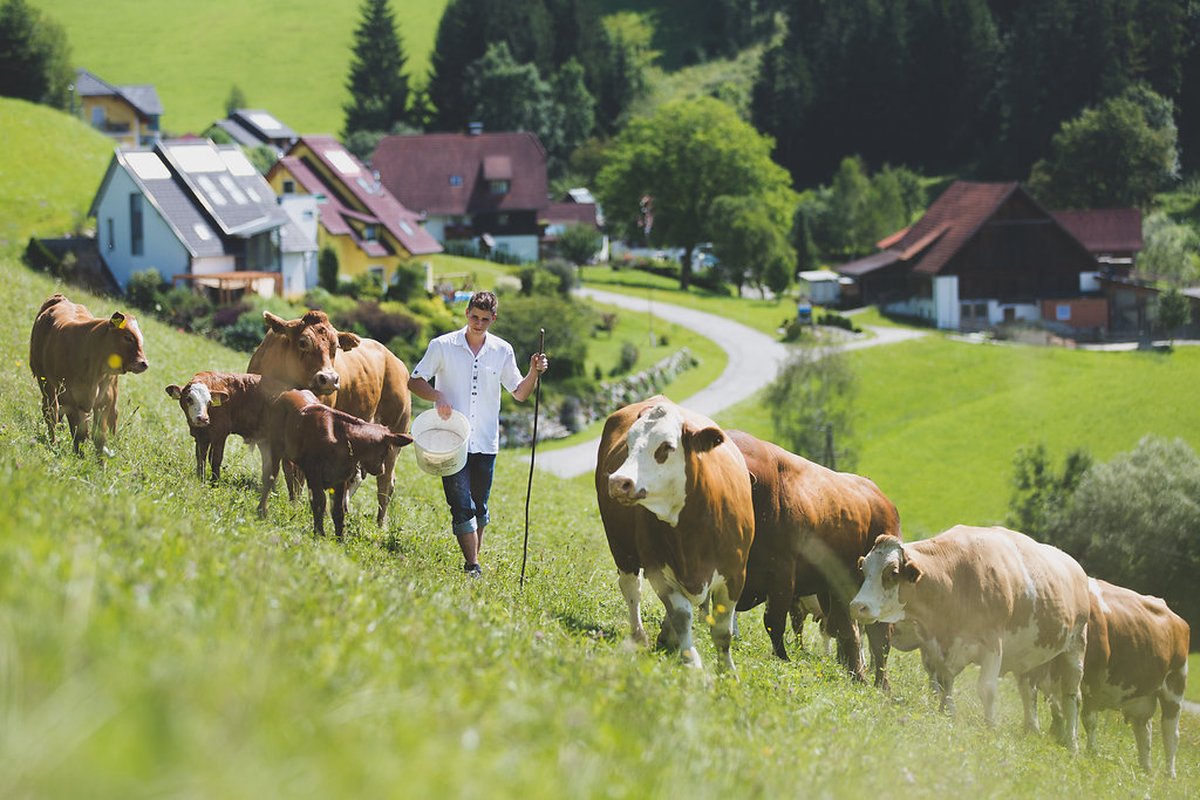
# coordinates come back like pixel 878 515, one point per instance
pixel 473 571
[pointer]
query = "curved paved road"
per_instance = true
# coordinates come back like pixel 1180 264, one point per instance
pixel 754 361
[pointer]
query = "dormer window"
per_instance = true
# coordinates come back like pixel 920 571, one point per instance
pixel 456 180
pixel 289 187
pixel 369 233
pixel 500 187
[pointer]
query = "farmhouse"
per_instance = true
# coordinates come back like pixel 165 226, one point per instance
pixel 481 191
pixel 369 229
pixel 578 207
pixel 198 212
pixel 986 253
pixel 129 114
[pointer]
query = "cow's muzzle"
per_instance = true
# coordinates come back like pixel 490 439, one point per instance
pixel 624 490
pixel 325 382
pixel 861 612
pixel 139 366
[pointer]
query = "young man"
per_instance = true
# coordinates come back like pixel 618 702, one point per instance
pixel 468 367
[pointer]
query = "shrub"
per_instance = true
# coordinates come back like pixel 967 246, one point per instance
pixel 836 320
pixel 537 281
pixel 506 284
pixel 327 269
pixel 245 334
pixel 145 289
pixel 566 273
pixel 184 308
pixel 371 320
pixel 629 356
pixel 364 286
pixel 407 282
pixel 568 326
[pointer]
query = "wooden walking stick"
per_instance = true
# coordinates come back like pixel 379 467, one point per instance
pixel 537 400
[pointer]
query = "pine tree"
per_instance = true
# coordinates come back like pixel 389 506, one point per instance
pixel 378 83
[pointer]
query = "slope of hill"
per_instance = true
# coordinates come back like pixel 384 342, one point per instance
pixel 50 167
pixel 290 58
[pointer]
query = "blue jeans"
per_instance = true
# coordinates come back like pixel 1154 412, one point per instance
pixel 467 493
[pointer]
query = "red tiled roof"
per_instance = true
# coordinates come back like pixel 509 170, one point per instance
pixel 1108 230
pixel 956 215
pixel 422 171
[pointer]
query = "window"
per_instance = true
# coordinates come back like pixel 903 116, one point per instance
pixel 1062 312
pixel 289 187
pixel 369 233
pixel 112 239
pixel 136 245
pixel 98 116
pixel 456 180
pixel 500 187
pixel 502 221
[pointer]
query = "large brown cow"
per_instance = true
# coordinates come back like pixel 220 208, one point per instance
pixel 674 496
pixel 358 376
pixel 329 447
pixel 811 525
pixel 986 596
pixel 76 359
pixel 1137 651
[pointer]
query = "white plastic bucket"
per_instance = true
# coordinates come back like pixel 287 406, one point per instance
pixel 440 444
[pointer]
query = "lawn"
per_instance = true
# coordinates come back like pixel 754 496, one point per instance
pixel 289 58
pixel 940 420
pixel 159 639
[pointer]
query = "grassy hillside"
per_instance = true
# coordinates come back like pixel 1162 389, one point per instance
pixel 291 58
pixel 940 420
pixel 50 168
pixel 157 638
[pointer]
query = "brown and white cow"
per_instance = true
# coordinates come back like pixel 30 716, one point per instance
pixel 1137 652
pixel 358 376
pixel 986 596
pixel 811 525
pixel 329 447
pixel 674 496
pixel 217 404
pixel 76 359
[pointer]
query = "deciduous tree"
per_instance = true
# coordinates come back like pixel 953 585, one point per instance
pixel 812 404
pixel 35 57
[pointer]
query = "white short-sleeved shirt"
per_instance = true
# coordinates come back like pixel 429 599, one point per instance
pixel 471 383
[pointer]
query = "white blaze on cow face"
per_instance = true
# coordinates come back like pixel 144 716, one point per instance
pixel 879 598
pixel 197 400
pixel 654 474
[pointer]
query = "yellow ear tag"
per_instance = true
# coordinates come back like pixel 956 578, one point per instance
pixel 216 402
pixel 114 362
pixel 121 324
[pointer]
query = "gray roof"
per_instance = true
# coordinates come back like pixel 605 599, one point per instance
pixel 173 200
pixel 142 96
pixel 264 125
pixel 238 133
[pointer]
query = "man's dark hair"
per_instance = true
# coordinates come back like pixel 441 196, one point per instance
pixel 484 301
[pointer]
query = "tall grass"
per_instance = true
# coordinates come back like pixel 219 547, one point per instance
pixel 156 638
pixel 291 58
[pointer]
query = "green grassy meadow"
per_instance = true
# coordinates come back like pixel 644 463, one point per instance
pixel 289 58
pixel 157 638
pixel 50 168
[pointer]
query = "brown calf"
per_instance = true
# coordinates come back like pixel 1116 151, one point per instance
pixel 217 404
pixel 76 359
pixel 329 447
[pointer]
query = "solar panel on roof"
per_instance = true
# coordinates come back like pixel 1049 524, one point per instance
pixel 211 190
pixel 342 161
pixel 147 166
pixel 228 185
pixel 197 158
pixel 237 163
pixel 264 121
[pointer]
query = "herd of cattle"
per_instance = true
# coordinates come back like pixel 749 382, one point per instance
pixel 711 518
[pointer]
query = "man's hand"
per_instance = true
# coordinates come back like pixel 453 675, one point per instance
pixel 539 362
pixel 443 406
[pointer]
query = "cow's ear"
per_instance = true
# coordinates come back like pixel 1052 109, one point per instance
pixel 117 320
pixel 910 571
pixel 705 439
pixel 348 341
pixel 220 398
pixel 400 439
pixel 861 561
pixel 175 392
pixel 274 323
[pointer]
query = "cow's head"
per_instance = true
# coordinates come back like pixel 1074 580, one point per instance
pixel 884 569
pixel 124 352
pixel 310 345
pixel 196 399
pixel 660 444
pixel 372 458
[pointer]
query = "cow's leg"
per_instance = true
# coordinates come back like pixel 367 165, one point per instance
pixel 797 613
pixel 631 590
pixel 846 632
pixel 722 614
pixel 1141 734
pixel 1069 668
pixel 385 483
pixel 50 408
pixel 316 499
pixel 780 599
pixel 989 680
pixel 879 638
pixel 1090 716
pixel 293 479
pixel 678 620
pixel 80 423
pixel 216 455
pixel 338 510
pixel 1028 692
pixel 201 455
pixel 270 471
pixel 1171 699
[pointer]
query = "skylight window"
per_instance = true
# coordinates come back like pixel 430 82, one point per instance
pixel 211 190
pixel 456 180
pixel 238 196
pixel 203 232
pixel 253 194
pixel 197 158
pixel 404 226
pixel 265 121
pixel 237 163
